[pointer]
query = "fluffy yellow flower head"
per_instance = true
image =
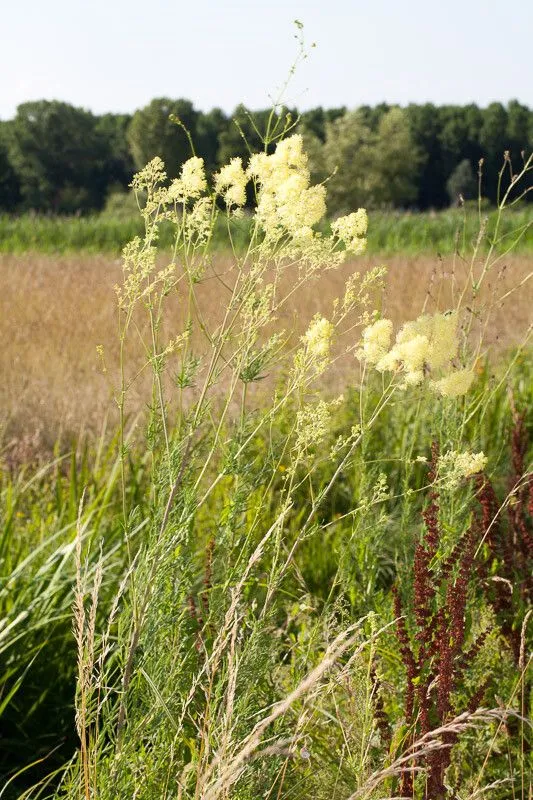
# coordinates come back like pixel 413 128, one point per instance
pixel 454 466
pixel 455 383
pixel 413 352
pixel 291 189
pixel 286 201
pixel 231 182
pixel 290 153
pixel 199 219
pixel 152 174
pixel 191 182
pixel 427 343
pixel 440 333
pixel 318 337
pixel 376 341
pixel 300 209
pixel 260 167
pixel 352 229
pixel 443 342
pixel 409 356
pixel 193 177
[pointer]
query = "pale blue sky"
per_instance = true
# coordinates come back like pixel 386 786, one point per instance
pixel 116 55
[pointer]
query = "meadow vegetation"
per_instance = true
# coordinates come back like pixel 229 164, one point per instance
pixel 297 562
pixel 391 233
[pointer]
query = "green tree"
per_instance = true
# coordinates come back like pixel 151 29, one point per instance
pixel 58 157
pixel 369 168
pixel 9 184
pixel 209 129
pixel 314 121
pixel 462 183
pixel 345 159
pixel 152 133
pixel 397 162
pixel 118 165
pixel 424 124
pixel 372 115
pixel 494 141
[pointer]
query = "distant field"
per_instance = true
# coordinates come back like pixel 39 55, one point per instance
pixel 389 233
pixel 54 311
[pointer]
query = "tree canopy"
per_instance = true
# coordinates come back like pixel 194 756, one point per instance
pixel 57 158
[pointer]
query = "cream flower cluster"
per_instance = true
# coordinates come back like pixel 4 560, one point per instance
pixel 352 229
pixel 313 357
pixel 318 337
pixel 191 183
pixel 231 182
pixel 424 346
pixel 453 466
pixel 376 341
pixel 287 210
pixel 455 383
pixel 286 201
pixel 313 423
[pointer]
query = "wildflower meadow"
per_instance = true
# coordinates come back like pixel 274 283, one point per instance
pixel 265 578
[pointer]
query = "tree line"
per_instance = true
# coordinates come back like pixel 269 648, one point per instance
pixel 57 158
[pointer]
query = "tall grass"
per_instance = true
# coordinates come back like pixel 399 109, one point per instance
pixel 391 233
pixel 230 564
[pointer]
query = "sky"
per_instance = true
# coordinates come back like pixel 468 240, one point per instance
pixel 117 55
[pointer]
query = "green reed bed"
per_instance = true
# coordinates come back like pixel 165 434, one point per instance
pixel 390 232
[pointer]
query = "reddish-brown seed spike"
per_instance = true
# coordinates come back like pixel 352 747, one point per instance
pixel 431 512
pixel 458 596
pixel 423 695
pixel 492 527
pixel 437 632
pixel 525 538
pixel 489 512
pixel 431 520
pixel 406 653
pixel 445 673
pixel 439 761
pixel 192 608
pixel 423 593
pixel 453 558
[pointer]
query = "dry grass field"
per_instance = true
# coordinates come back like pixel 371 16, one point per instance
pixel 54 311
